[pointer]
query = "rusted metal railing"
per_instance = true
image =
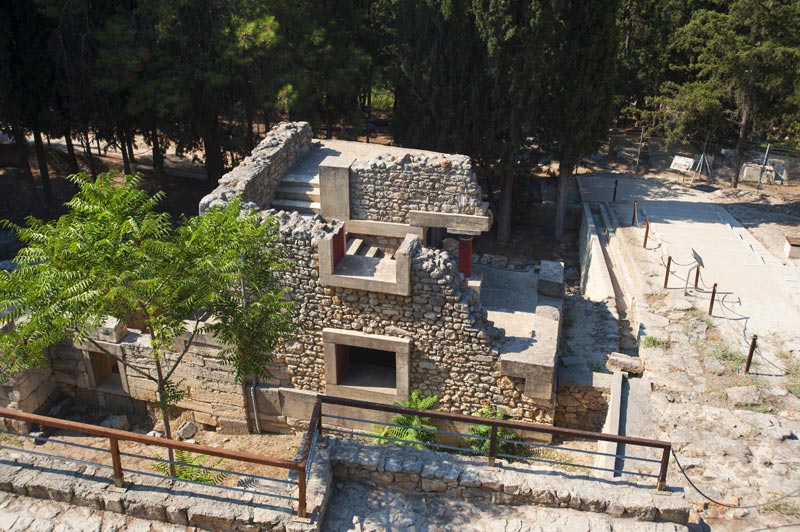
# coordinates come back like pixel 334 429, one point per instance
pixel 497 424
pixel 301 464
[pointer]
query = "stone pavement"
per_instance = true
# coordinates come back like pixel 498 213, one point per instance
pixel 756 293
pixel 359 508
pixel 26 514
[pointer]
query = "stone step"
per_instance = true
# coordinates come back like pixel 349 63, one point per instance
pixel 296 205
pixel 297 193
pixel 300 180
pixel 372 251
pixel 353 245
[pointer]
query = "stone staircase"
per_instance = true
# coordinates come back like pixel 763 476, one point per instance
pixel 298 192
pixel 356 246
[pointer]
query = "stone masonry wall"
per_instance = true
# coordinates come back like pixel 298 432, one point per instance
pixel 386 188
pixel 256 178
pixel 452 353
pixel 582 407
pixel 212 393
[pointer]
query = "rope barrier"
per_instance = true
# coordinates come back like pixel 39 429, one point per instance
pixel 702 494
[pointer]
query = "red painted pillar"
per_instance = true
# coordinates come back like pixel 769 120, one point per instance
pixel 465 255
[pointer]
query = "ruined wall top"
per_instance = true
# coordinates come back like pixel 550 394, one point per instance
pixel 256 178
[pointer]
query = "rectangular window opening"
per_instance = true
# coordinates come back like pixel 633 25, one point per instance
pixel 372 369
pixel 105 369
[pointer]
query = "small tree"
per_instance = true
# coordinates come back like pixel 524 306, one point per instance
pixel 415 430
pixel 112 254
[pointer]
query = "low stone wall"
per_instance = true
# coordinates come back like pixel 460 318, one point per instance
pixel 595 278
pixel 518 483
pixel 256 178
pixel 167 500
pixel 388 187
pixel 581 407
pixel 27 391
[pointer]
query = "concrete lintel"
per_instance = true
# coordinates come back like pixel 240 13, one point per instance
pixel 388 229
pixel 369 341
pixel 450 221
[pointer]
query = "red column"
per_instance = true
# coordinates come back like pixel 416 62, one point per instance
pixel 465 255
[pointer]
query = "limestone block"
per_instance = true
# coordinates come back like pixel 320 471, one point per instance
pixel 621 362
pixel 112 330
pixel 334 183
pixel 551 278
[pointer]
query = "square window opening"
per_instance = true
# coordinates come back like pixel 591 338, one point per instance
pixel 107 376
pixel 362 367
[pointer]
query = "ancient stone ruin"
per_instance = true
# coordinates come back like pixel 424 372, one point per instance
pixel 383 306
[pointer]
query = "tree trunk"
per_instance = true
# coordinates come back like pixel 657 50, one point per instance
pixel 504 221
pixel 129 143
pixel 158 158
pixel 741 144
pixel 73 161
pixel 88 151
pixel 564 173
pixel 41 159
pixel 164 405
pixel 22 157
pixel 214 163
pixel 126 162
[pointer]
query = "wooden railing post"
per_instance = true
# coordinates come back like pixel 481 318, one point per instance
pixel 116 462
pixel 493 446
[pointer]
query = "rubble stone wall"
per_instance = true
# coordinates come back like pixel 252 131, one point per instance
pixel 451 356
pixel 26 391
pixel 257 177
pixel 581 407
pixel 386 188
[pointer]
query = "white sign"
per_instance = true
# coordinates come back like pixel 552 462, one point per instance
pixel 682 164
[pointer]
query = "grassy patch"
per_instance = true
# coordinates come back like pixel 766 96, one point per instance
pixel 651 342
pixel 546 453
pixel 11 439
pixel 785 507
pixel 695 314
pixel 726 354
pixel 758 409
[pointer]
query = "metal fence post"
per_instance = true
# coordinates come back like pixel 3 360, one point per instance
pixel 662 474
pixel 646 232
pixel 713 297
pixel 301 493
pixel 493 446
pixel 116 462
pixel 696 276
pixel 666 277
pixel 750 354
pixel 614 199
pixel 635 209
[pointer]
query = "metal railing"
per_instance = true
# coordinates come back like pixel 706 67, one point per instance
pixel 494 438
pixel 301 464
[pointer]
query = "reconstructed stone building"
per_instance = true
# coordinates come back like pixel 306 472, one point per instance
pixel 383 307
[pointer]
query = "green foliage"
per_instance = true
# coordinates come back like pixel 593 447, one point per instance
pixel 188 468
pixel 416 429
pixel 653 342
pixel 726 354
pixel 113 255
pixel 483 432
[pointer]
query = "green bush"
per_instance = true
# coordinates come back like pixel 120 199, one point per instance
pixel 484 432
pixel 416 429
pixel 189 470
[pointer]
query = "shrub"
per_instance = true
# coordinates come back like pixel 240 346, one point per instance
pixel 484 432
pixel 188 468
pixel 416 430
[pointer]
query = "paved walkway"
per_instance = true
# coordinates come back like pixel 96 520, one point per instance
pixel 359 508
pixel 755 290
pixel 26 514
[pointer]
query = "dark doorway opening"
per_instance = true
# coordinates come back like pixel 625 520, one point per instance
pixel 366 368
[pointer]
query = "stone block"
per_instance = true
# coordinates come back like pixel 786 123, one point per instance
pixel 551 278
pixel 334 187
pixel 112 330
pixel 621 362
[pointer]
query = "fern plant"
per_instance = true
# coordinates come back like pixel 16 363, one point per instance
pixel 482 433
pixel 188 468
pixel 415 430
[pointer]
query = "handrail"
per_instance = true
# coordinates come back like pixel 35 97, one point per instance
pixel 115 436
pixel 518 425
